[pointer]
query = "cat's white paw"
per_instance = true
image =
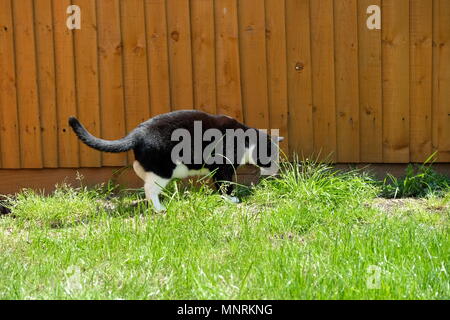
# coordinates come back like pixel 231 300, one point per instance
pixel 159 208
pixel 232 199
pixel 235 199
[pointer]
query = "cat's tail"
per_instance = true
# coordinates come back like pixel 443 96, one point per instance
pixel 115 146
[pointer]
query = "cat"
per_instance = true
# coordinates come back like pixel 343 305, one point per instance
pixel 153 144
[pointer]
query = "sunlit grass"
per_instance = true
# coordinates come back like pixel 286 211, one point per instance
pixel 313 233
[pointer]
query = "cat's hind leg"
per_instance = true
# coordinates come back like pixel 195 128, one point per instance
pixel 153 186
pixel 139 170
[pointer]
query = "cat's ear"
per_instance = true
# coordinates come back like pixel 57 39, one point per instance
pixel 280 139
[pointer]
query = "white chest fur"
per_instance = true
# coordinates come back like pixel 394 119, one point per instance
pixel 181 172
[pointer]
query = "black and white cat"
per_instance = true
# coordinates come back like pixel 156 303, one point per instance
pixel 153 144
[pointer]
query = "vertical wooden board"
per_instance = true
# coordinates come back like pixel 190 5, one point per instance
pixel 27 89
pixel 370 87
pixel 158 56
pixel 112 113
pixel 252 30
pixel 441 79
pixel 203 55
pixel 301 137
pixel 421 79
pixel 228 81
pixel 347 84
pixel 276 68
pixel 137 107
pixel 46 82
pixel 395 36
pixel 435 73
pixel 9 124
pixel 180 55
pixel 86 68
pixel 322 51
pixel 65 81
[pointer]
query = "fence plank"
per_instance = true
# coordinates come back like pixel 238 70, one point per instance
pixel 158 56
pixel 441 79
pixel 27 89
pixel 324 109
pixel 9 124
pixel 178 23
pixel 68 148
pixel 229 96
pixel 301 134
pixel 370 87
pixel 253 63
pixel 395 36
pixel 86 68
pixel 276 68
pixel 421 79
pixel 46 82
pixel 112 113
pixel 347 84
pixel 135 64
pixel 203 55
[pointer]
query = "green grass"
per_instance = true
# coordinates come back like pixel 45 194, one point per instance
pixel 312 234
pixel 418 181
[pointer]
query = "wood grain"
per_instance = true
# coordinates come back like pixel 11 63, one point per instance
pixel 228 76
pixel 87 81
pixel 298 42
pixel 252 31
pixel 347 80
pixel 158 56
pixel 277 69
pixel 441 79
pixel 27 87
pixel 137 106
pixel 66 95
pixel 203 55
pixel 110 54
pixel 180 54
pixel 45 51
pixel 370 87
pixel 9 123
pixel 421 52
pixel 323 79
pixel 395 37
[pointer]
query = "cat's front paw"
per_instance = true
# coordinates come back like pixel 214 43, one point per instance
pixel 159 209
pixel 231 199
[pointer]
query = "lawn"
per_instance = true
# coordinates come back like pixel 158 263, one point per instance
pixel 311 234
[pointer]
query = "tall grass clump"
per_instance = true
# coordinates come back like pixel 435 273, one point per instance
pixel 309 195
pixel 419 181
pixel 314 182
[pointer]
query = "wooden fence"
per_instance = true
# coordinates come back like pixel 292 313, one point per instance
pixel 311 68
